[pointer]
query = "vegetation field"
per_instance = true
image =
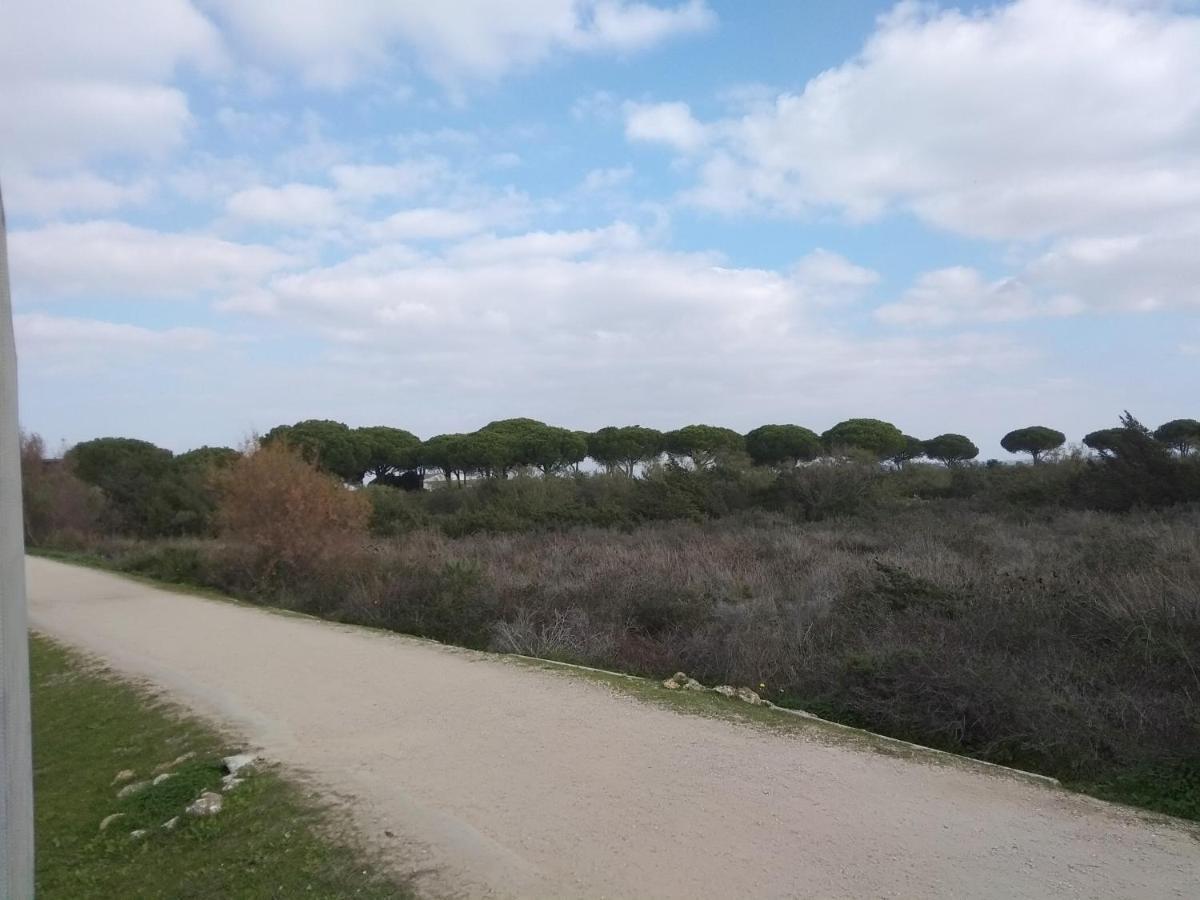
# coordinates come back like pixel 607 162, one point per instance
pixel 270 840
pixel 1044 616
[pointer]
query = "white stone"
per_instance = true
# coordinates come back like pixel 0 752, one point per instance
pixel 136 788
pixel 207 804
pixel 234 764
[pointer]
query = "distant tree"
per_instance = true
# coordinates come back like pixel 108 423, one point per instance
pixel 208 458
pixel 951 449
pixel 914 448
pixel 1106 441
pixel 1035 440
pixel 387 451
pixel 447 453
pixel 134 478
pixel 578 448
pixel 1181 435
pixel 332 446
pixel 775 445
pixel 702 445
pixel 552 449
pixel 1138 471
pixel 194 486
pixel 625 446
pixel 507 444
pixel 881 439
pixel 489 452
pixel 147 490
pixel 111 463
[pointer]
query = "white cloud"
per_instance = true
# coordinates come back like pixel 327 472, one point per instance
pixel 334 44
pixel 58 346
pixel 468 210
pixel 288 206
pixel 399 180
pixel 593 326
pixel 116 259
pixel 962 294
pixel 635 26
pixel 1026 120
pixel 426 223
pixel 544 244
pixel 78 80
pixel 38 331
pixel 831 278
pixel 26 193
pixel 606 179
pixel 665 123
pixel 1133 272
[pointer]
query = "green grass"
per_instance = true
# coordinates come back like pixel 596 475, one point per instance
pixel 270 840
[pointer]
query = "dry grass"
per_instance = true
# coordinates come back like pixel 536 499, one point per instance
pixel 1067 642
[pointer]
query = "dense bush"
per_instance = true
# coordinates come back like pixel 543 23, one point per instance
pixel 1066 642
pixel 288 514
pixel 57 505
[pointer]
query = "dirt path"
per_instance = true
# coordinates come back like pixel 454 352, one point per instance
pixel 502 780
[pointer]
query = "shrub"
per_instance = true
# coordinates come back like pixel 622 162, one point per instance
pixel 822 491
pixel 57 505
pixel 292 515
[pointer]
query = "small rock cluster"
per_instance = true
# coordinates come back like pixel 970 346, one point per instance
pixel 681 682
pixel 209 803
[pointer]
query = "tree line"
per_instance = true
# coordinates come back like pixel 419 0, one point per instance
pixel 499 448
pixel 129 486
pixel 388 455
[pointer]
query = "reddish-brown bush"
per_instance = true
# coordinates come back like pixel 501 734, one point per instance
pixel 57 505
pixel 289 514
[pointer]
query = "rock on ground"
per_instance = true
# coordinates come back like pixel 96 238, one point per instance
pixel 136 788
pixel 207 804
pixel 234 764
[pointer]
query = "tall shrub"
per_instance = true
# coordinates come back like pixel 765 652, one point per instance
pixel 292 515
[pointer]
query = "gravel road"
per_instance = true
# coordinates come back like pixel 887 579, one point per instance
pixel 496 779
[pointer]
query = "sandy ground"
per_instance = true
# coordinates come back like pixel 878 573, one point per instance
pixel 500 780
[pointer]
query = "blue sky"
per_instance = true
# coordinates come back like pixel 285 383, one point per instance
pixel 224 216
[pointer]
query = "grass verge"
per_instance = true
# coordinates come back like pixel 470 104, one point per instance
pixel 270 840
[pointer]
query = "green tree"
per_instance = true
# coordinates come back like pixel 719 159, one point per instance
pixel 774 445
pixel 490 452
pixel 879 438
pixel 1106 441
pixel 554 449
pixel 518 443
pixel 386 450
pixel 703 445
pixel 138 481
pixel 951 449
pixel 1181 435
pixel 914 448
pixel 331 446
pixel 1035 440
pixel 623 447
pixel 209 459
pixel 447 453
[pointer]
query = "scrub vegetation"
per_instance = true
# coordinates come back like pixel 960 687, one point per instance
pixel 1042 615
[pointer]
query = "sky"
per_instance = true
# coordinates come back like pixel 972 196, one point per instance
pixel 961 217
